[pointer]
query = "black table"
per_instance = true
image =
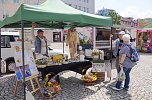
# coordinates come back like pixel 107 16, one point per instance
pixel 78 67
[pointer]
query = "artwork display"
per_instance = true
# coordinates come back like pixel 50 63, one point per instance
pixel 30 66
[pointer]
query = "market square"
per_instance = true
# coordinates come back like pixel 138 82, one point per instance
pixel 75 50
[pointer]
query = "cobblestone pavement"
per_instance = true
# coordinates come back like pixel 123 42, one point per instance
pixel 74 89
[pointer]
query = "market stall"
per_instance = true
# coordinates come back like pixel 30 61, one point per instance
pixel 144 40
pixel 51 14
pixel 78 67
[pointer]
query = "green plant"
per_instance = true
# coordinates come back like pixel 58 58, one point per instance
pixel 115 17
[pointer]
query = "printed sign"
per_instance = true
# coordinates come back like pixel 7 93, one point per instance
pixel 30 66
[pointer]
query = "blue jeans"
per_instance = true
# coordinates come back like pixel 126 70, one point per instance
pixel 127 80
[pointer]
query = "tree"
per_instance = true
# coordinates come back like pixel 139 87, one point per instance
pixel 115 17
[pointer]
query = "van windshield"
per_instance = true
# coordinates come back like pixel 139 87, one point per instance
pixel 5 41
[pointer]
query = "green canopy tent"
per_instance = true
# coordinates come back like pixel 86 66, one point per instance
pixel 55 14
pixel 52 14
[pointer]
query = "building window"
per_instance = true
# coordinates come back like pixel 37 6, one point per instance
pixel 27 1
pixel 36 2
pixel 70 4
pixel 16 1
pixel 84 9
pixel 84 0
pixel 76 6
pixel 87 1
pixel 5 13
pixel 87 9
pixel 4 1
pixel 79 8
pixel 56 36
pixel 4 16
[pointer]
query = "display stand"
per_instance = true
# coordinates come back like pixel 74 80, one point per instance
pixel 99 69
pixel 34 88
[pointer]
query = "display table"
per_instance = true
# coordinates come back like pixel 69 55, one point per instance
pixel 78 67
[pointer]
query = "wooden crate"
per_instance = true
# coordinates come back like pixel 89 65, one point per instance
pixel 100 75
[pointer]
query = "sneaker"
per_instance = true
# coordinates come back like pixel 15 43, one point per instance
pixel 126 89
pixel 114 88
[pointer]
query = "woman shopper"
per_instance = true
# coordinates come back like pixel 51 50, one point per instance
pixel 118 44
pixel 125 62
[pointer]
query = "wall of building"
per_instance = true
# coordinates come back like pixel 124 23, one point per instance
pixel 83 5
pixel 9 7
pixel 128 22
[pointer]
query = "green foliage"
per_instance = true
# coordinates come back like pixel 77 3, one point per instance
pixel 82 41
pixel 115 17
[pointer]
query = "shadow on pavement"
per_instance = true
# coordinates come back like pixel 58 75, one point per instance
pixel 117 95
pixel 7 86
pixel 74 89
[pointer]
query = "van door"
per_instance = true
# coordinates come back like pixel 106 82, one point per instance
pixel 7 53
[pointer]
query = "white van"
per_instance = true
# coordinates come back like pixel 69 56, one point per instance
pixel 7 53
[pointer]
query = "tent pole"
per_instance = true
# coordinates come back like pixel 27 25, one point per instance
pixel 63 38
pixel 0 55
pixel 24 84
pixel 111 48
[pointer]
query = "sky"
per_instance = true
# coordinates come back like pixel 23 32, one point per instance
pixel 127 8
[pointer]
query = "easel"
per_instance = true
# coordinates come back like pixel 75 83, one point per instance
pixel 34 90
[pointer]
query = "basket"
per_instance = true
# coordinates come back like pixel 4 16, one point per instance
pixel 92 82
pixel 89 83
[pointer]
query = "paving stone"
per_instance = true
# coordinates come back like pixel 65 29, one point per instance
pixel 74 89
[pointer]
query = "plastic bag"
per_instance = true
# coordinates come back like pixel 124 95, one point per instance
pixel 121 75
pixel 3 66
pixel 29 95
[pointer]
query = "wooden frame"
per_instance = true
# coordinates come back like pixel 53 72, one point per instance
pixel 34 90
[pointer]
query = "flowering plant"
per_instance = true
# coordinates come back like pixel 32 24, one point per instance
pixel 51 87
pixel 95 52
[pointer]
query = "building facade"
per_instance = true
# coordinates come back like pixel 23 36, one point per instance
pixel 9 7
pixel 129 22
pixel 83 5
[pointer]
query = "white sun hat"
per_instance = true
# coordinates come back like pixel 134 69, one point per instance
pixel 121 32
pixel 126 37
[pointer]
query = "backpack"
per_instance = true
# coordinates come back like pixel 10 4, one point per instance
pixel 134 56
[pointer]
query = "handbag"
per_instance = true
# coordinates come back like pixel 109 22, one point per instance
pixel 121 75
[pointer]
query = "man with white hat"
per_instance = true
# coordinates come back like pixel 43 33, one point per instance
pixel 118 44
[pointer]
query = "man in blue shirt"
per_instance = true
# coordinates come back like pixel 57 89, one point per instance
pixel 41 43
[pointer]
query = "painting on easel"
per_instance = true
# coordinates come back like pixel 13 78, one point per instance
pixel 30 66
pixel 19 72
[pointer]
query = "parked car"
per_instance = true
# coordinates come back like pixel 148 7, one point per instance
pixel 6 52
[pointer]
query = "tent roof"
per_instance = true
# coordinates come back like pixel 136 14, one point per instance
pixel 54 14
